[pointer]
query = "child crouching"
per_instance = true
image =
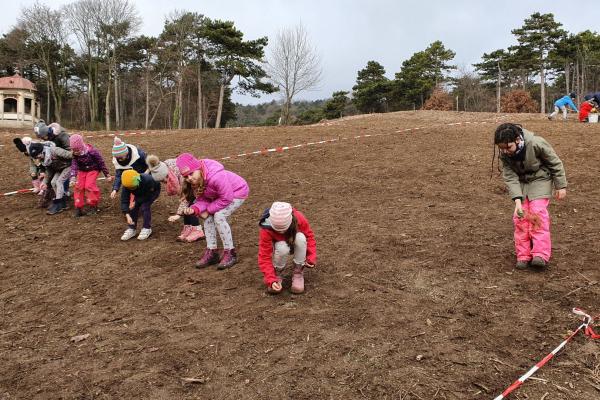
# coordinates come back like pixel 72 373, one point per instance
pixel 285 230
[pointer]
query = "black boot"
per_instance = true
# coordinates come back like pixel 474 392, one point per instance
pixel 63 204
pixel 55 207
pixel 79 212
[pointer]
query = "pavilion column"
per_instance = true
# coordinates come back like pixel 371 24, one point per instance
pixel 1 105
pixel 20 107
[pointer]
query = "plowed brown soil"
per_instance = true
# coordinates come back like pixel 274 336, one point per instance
pixel 414 297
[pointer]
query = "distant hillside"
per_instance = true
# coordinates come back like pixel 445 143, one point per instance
pixel 268 113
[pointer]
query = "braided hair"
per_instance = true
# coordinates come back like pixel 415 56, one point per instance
pixel 505 133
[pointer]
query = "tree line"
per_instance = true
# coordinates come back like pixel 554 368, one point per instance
pixel 93 71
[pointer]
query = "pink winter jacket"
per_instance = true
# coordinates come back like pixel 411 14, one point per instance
pixel 221 187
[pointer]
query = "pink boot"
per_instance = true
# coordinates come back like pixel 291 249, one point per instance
pixel 196 233
pixel 298 279
pixel 187 229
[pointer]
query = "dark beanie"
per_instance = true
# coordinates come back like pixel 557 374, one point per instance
pixel 35 149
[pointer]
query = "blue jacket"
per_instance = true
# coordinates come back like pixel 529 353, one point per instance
pixel 566 102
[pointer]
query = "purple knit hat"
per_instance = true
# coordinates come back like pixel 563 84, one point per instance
pixel 280 216
pixel 187 164
pixel 77 144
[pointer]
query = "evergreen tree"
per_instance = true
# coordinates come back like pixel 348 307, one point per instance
pixel 537 37
pixel 335 106
pixel 371 89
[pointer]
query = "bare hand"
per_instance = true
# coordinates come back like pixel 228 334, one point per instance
pixel 189 211
pixel 276 286
pixel 174 218
pixel 110 178
pixel 560 194
pixel 129 220
pixel 204 214
pixel 518 209
pixel 309 265
pixel 113 194
pixel 72 183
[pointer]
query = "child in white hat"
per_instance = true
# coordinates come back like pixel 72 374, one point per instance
pixel 283 231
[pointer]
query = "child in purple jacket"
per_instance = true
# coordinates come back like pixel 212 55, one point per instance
pixel 218 194
pixel 86 166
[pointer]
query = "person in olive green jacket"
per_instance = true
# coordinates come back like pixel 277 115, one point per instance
pixel 530 170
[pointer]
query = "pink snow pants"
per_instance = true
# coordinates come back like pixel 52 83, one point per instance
pixel 531 241
pixel 86 188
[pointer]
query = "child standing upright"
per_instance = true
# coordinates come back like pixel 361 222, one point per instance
pixel 145 191
pixel 218 193
pixel 86 166
pixel 530 170
pixel 285 230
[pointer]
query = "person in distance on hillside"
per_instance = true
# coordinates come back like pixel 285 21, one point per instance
pixel 530 168
pixel 145 191
pixel 218 193
pixel 285 230
pixel 562 104
pixel 167 172
pixel 86 166
pixel 584 110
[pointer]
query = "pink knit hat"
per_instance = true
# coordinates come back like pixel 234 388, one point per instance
pixel 187 164
pixel 280 216
pixel 77 144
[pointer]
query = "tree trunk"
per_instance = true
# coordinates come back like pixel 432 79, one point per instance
pixel 107 101
pixel 146 124
pixel 200 119
pixel 542 90
pixel 498 89
pixel 117 108
pixel 567 76
pixel 220 107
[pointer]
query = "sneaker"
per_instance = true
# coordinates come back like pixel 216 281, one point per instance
pixel 128 234
pixel 228 260
pixel 298 279
pixel 79 212
pixel 210 257
pixel 196 233
pixel 538 262
pixel 145 234
pixel 522 264
pixel 184 233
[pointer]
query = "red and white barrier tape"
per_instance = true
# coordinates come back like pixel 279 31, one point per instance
pixel 587 330
pixel 284 148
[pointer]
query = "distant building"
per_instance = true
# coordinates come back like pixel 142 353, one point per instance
pixel 19 107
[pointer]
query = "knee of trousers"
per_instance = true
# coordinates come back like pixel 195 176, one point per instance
pixel 219 217
pixel 281 249
pixel 300 239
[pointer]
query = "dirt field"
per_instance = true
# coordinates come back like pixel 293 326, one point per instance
pixel 414 297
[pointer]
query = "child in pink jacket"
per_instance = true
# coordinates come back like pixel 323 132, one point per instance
pixel 218 194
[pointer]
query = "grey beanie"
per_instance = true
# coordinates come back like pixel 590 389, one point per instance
pixel 159 172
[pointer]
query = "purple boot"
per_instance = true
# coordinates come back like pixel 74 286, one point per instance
pixel 210 257
pixel 228 260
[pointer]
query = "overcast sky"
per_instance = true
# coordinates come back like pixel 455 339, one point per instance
pixel 348 34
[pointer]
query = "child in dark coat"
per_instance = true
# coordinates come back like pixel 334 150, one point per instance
pixel 145 191
pixel 57 162
pixel 86 166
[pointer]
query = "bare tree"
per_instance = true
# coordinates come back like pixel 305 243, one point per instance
pixel 293 65
pixel 47 34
